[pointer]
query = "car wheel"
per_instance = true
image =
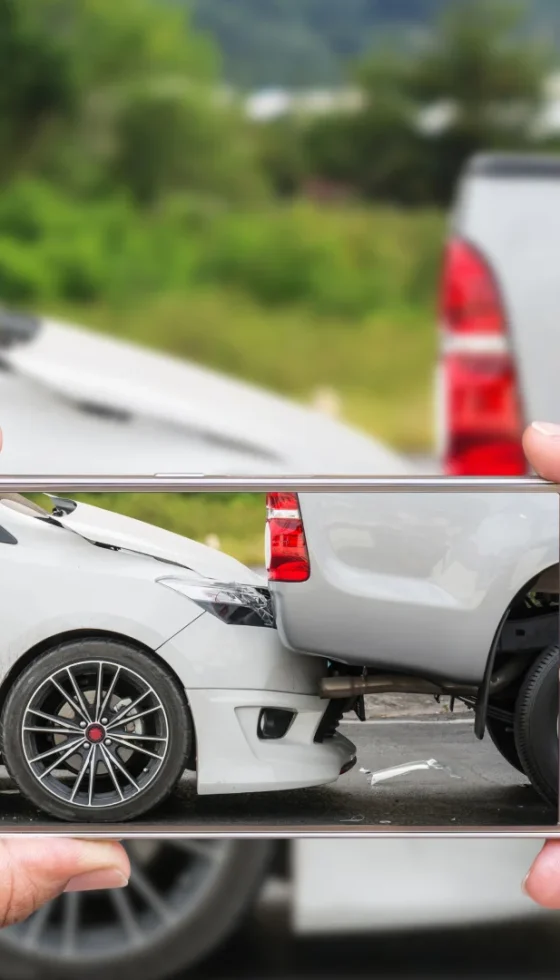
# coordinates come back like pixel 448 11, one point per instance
pixel 503 736
pixel 96 730
pixel 185 897
pixel 536 724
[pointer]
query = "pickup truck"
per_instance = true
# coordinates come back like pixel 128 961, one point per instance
pixel 446 594
pixel 457 594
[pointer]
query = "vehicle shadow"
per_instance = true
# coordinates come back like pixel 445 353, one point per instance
pixel 357 806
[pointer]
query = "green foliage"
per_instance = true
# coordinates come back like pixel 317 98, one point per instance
pixel 379 363
pixel 348 262
pixel 178 137
pixel 479 63
pixel 36 85
pixel 98 96
pixel 338 263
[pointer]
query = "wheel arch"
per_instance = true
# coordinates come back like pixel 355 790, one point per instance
pixel 48 643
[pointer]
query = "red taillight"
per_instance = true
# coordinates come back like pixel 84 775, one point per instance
pixel 483 422
pixel 287 558
pixel 470 301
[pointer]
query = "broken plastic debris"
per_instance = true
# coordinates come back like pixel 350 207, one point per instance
pixel 381 774
pixel 357 819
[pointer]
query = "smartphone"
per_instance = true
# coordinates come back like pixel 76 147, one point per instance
pixel 201 655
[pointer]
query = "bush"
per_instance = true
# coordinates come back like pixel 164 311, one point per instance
pixel 337 262
pixel 24 273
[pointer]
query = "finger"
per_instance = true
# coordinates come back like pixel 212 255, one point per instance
pixel 542 884
pixel 541 444
pixel 35 870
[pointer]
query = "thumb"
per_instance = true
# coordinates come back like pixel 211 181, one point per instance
pixel 35 870
pixel 541 444
pixel 542 884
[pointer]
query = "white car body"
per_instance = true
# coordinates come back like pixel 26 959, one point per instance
pixel 76 401
pixel 56 582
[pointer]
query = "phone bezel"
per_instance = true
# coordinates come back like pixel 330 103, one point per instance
pixel 208 483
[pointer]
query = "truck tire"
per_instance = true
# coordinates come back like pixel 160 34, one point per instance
pixel 503 736
pixel 536 724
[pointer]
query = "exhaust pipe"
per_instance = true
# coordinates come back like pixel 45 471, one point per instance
pixel 335 688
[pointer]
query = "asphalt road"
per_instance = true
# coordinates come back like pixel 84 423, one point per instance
pixel 475 787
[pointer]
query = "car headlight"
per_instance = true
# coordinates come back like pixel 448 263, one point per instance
pixel 237 605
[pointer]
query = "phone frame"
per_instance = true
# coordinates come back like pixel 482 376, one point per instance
pixel 209 483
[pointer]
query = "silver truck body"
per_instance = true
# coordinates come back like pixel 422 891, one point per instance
pixel 417 583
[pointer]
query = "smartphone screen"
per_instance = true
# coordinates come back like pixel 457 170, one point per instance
pixel 280 662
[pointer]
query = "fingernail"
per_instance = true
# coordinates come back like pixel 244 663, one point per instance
pixel 524 885
pixel 546 428
pixel 97 880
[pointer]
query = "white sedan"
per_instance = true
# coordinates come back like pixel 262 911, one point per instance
pixel 129 654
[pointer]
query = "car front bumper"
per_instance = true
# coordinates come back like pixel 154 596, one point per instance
pixel 231 758
pixel 230 674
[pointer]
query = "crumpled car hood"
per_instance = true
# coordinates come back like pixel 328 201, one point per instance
pixel 115 530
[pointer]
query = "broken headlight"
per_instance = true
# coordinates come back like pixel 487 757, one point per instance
pixel 237 605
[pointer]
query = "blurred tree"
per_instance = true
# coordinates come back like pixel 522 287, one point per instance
pixel 36 86
pixel 179 137
pixel 283 153
pixel 98 93
pixel 478 72
pixel 490 75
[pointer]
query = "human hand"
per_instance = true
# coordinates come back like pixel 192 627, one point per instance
pixel 541 443
pixel 34 870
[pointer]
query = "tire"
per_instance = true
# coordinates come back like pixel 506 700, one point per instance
pixel 536 724
pixel 121 769
pixel 203 905
pixel 503 737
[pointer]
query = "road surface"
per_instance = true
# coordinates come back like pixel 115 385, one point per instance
pixel 475 787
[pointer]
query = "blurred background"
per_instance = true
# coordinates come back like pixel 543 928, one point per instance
pixel 256 187
pixel 259 188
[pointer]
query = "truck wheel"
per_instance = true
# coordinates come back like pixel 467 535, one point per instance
pixel 536 724
pixel 96 730
pixel 184 899
pixel 503 736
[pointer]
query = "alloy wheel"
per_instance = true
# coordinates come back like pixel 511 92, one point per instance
pixel 95 734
